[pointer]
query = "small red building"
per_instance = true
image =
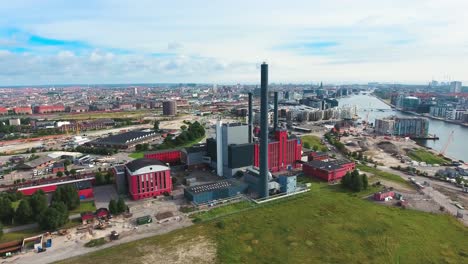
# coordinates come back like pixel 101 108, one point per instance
pixel 329 171
pixel 22 110
pixel 58 167
pixel 384 195
pixel 148 178
pixel 3 111
pixel 166 156
pixel 316 155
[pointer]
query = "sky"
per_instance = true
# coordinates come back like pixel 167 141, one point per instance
pixel 306 41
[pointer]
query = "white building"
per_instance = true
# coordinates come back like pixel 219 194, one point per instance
pixel 455 87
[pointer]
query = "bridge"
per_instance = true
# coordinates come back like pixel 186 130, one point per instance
pixel 375 109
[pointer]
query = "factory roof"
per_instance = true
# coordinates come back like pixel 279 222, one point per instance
pixel 224 184
pixel 328 165
pixel 196 148
pixel 137 164
pixel 126 137
pixel 35 163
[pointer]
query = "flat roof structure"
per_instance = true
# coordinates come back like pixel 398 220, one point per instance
pixel 224 184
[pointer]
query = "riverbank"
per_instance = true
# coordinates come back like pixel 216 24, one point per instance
pixel 421 115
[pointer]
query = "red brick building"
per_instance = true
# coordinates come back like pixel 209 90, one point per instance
pixel 282 152
pixel 166 156
pixel 43 109
pixel 22 110
pixel 148 178
pixel 3 111
pixel 318 156
pixel 329 171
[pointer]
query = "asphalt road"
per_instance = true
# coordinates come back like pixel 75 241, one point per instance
pixel 31 226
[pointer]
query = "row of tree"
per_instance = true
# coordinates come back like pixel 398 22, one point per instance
pixel 117 207
pixel 103 178
pixel 190 132
pixel 98 151
pixel 35 208
pixel 355 181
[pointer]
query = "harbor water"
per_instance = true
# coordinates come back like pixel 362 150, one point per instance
pixel 371 108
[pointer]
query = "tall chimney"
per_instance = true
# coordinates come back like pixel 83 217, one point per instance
pixel 275 113
pixel 250 118
pixel 263 190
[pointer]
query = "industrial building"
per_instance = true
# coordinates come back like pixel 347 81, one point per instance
pixel 120 179
pixel 171 156
pixel 84 187
pixel 194 157
pixel 284 152
pixel 147 178
pixel 124 140
pixel 169 108
pixel 329 171
pixel 204 193
pixel 44 109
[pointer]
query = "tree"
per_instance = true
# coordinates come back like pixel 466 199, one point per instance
pixel 67 163
pixel 67 173
pixel 365 181
pixel 99 178
pixel 183 127
pixel 38 203
pixel 1 230
pixel 73 172
pixel 315 147
pixel 359 156
pixel 108 178
pixel 6 211
pixel 121 206
pixel 68 195
pixel 54 217
pixel 459 179
pixel 156 126
pixel 346 180
pixel 113 207
pixel 357 184
pixel 24 213
pixel 59 174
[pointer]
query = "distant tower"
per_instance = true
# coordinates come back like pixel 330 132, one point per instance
pixel 169 108
pixel 135 90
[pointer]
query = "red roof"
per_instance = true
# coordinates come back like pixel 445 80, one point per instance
pixel 3 110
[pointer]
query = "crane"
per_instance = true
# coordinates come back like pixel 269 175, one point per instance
pixel 450 138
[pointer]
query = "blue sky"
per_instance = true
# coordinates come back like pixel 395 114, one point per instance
pixel 334 41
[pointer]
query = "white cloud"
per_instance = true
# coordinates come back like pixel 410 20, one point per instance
pixel 397 40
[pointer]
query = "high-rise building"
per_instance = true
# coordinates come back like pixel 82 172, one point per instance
pixel 414 127
pixel 455 87
pixel 169 108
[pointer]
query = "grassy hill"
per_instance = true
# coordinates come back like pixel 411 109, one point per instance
pixel 326 225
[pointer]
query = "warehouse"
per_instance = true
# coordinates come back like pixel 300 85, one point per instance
pixel 204 193
pixel 124 140
pixel 83 186
pixel 171 156
pixel 148 178
pixel 194 156
pixel 329 171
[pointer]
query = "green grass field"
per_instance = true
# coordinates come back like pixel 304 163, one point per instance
pixel 7 237
pixel 383 174
pixel 325 225
pixel 426 156
pixel 137 155
pixel 84 207
pixel 312 141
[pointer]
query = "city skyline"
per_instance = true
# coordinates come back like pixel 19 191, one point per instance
pixel 225 42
